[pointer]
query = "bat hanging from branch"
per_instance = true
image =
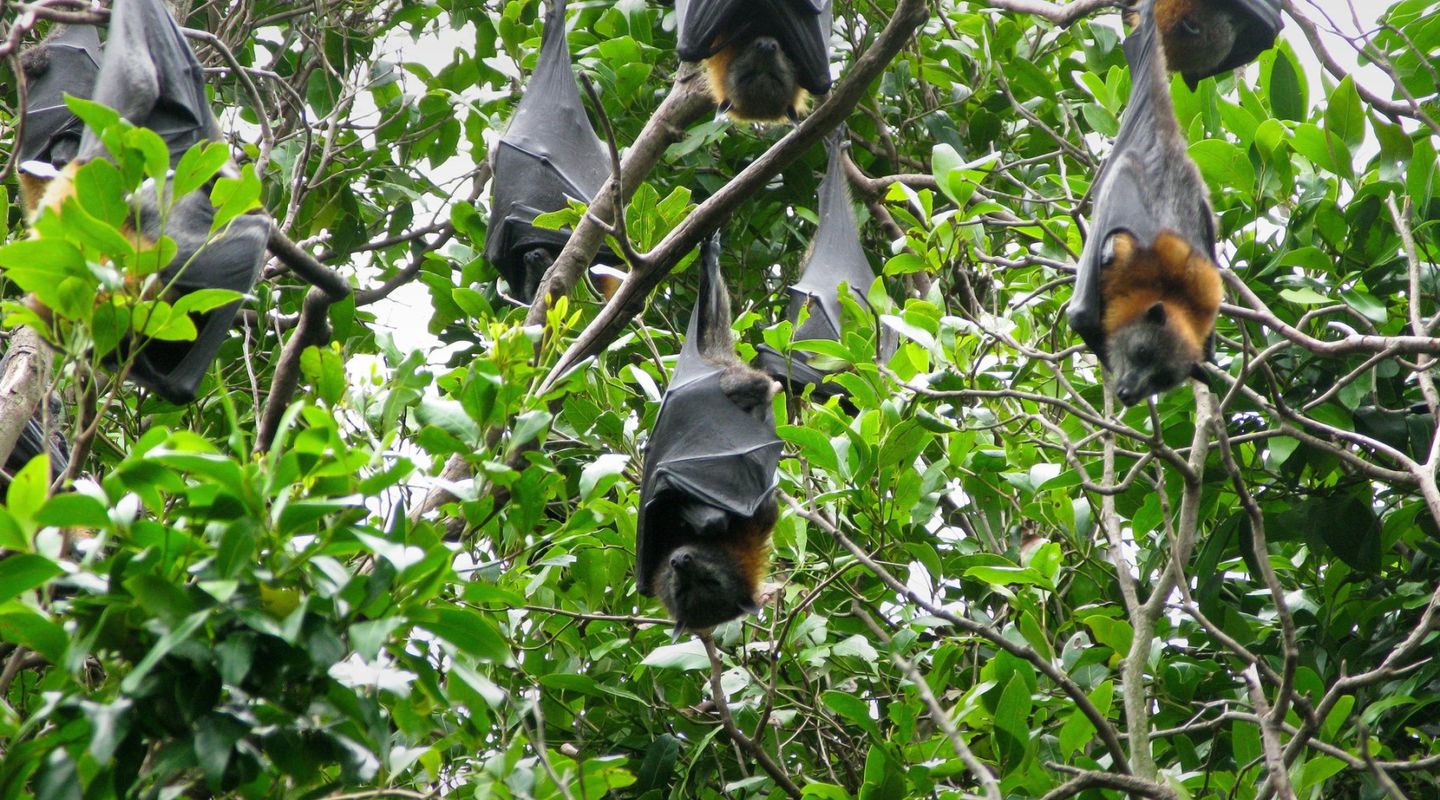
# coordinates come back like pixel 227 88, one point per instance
pixel 835 257
pixel 149 74
pixel 707 496
pixel 764 56
pixel 1148 289
pixel 548 155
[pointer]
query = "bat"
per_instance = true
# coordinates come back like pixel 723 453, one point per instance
pixel 707 493
pixel 548 155
pixel 66 62
pixel 151 76
pixel 763 56
pixel 1207 37
pixel 835 257
pixel 1148 288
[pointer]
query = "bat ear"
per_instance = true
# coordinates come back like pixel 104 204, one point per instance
pixel 724 107
pixel 792 115
pixel 1156 315
pixel 750 606
pixel 677 633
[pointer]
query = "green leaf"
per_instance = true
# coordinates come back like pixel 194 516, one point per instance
pixel 469 630
pixel 1344 116
pixel 162 648
pixel 22 625
pixel 686 656
pixel 1012 724
pixel 234 196
pixel 29 489
pixel 21 572
pixel 853 709
pixel 198 165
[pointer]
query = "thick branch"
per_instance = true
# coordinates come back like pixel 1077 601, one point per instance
pixel 313 329
pixel 22 385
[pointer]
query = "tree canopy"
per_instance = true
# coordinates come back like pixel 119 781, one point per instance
pixel 389 550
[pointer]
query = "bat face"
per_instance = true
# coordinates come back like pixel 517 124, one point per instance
pixel 704 585
pixel 757 81
pixel 801 27
pixel 1208 37
pixel 1161 304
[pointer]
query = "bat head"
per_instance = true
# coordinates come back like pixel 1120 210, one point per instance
pixel 1151 355
pixel 754 79
pixel 704 584
pixel 1198 36
pixel 1160 308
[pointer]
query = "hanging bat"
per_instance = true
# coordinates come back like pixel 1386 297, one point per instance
pixel 548 155
pixel 66 62
pixel 1148 289
pixel 763 56
pixel 707 495
pixel 1208 37
pixel 836 256
pixel 150 75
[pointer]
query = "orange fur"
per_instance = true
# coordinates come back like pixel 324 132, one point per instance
pixel 1168 14
pixel 749 545
pixel 1173 273
pixel 718 66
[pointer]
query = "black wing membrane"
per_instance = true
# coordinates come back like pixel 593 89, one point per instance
pixel 1133 192
pixel 151 76
pixel 1258 23
pixel 708 458
pixel 801 26
pixel 548 155
pixel 835 257
pixel 52 133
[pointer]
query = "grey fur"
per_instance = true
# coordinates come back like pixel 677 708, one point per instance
pixel 761 82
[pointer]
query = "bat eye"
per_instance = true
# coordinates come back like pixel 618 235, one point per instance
pixel 1188 27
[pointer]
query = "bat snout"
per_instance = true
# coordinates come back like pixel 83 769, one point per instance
pixel 767 45
pixel 682 560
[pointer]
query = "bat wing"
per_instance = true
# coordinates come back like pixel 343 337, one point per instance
pixel 708 458
pixel 229 260
pixel 802 27
pixel 1122 204
pixel 52 133
pixel 151 76
pixel 835 257
pixel 804 31
pixel 703 25
pixel 705 452
pixel 1258 23
pixel 548 155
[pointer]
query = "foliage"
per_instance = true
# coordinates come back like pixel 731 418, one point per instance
pixel 194 617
